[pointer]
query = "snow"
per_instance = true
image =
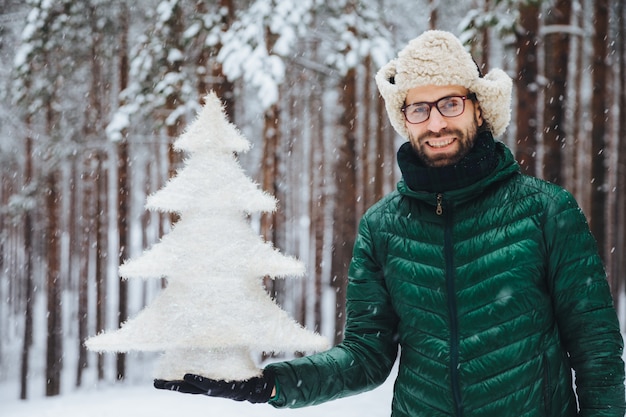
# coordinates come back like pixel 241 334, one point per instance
pixel 119 122
pixel 22 53
pixel 141 400
pixel 165 10
pixel 175 55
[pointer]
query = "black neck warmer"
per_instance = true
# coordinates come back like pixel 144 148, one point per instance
pixel 477 164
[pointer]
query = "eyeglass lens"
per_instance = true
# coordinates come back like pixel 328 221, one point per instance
pixel 447 107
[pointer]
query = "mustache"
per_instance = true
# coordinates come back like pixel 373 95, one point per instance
pixel 445 132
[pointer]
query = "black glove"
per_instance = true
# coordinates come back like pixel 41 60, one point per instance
pixel 255 390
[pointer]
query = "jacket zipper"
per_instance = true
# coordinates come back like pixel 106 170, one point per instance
pixel 452 308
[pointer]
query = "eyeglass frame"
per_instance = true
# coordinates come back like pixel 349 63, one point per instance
pixel 431 104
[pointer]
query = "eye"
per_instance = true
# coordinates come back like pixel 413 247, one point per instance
pixel 450 104
pixel 418 109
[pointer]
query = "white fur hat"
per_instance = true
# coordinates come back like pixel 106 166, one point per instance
pixel 438 58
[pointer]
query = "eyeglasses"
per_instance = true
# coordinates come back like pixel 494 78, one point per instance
pixel 450 106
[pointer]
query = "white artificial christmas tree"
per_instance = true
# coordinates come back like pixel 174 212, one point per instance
pixel 214 313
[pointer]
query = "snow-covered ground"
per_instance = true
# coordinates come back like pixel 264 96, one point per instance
pixel 141 400
pixel 136 397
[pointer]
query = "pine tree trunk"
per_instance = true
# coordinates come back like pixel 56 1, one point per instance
pixel 269 170
pixel 86 222
pixel 486 44
pixel 28 269
pixel 224 88
pixel 527 88
pixel 381 162
pixel 318 207
pixel 204 55
pixel 579 178
pixel 54 348
pixel 600 106
pixel 345 217
pixel 318 198
pixel 367 142
pixel 173 100
pixel 101 251
pixel 434 14
pixel 123 188
pixel 123 213
pixel 619 270
pixel 556 71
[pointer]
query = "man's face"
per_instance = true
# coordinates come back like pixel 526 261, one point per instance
pixel 440 140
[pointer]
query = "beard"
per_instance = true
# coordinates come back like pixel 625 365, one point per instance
pixel 465 140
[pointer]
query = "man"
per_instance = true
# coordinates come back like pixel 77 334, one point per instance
pixel 488 280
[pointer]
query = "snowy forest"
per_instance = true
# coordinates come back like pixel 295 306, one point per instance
pixel 95 92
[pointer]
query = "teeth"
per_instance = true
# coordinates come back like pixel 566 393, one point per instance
pixel 440 144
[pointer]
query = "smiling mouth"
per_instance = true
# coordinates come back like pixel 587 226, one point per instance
pixel 441 143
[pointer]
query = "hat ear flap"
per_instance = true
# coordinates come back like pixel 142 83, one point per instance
pixel 493 92
pixel 386 78
pixel 393 96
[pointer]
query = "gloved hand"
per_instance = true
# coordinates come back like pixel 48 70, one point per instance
pixel 255 390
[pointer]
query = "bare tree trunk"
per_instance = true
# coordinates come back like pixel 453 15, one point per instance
pixel 600 108
pixel 269 171
pixel 480 44
pixel 101 251
pixel 75 259
pixel 434 13
pixel 381 161
pixel 87 221
pixel 345 210
pixel 54 347
pixel 204 53
pixel 318 199
pixel 224 88
pixel 578 177
pixel 486 44
pixel 391 152
pixel 280 217
pixel 123 212
pixel 272 224
pixel 367 194
pixel 555 69
pixel 527 88
pixel 54 352
pixel 619 269
pixel 123 187
pixel 176 26
pixel 318 207
pixel 298 170
pixel 28 268
pixel 6 181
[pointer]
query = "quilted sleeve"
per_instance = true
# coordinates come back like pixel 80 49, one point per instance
pixel 365 357
pixel 584 310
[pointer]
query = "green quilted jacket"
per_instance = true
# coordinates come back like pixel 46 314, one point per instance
pixel 494 293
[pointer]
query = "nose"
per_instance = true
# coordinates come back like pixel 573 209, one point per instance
pixel 436 122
